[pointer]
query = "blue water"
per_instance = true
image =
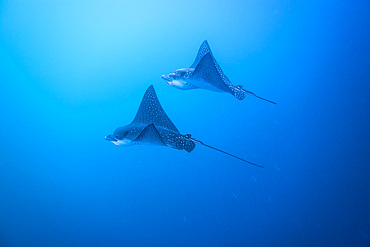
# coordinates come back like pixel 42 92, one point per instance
pixel 73 71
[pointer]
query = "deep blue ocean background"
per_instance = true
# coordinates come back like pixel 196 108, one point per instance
pixel 73 71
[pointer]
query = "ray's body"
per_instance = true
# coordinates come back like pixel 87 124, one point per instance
pixel 152 126
pixel 205 73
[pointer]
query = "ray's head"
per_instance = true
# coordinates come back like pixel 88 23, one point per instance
pixel 177 77
pixel 119 137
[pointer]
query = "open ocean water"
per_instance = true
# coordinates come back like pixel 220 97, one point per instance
pixel 73 71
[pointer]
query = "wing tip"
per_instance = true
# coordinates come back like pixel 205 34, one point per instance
pixel 150 91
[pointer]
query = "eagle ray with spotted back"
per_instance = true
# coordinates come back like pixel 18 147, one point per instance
pixel 207 74
pixel 152 126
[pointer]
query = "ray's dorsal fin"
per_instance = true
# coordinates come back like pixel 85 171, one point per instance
pixel 207 71
pixel 150 135
pixel 204 49
pixel 151 111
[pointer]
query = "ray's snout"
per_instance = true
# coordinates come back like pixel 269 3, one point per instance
pixel 110 138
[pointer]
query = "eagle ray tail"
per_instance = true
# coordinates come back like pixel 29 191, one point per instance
pixel 219 150
pixel 253 94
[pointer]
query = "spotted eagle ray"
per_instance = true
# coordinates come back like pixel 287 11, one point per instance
pixel 152 126
pixel 207 74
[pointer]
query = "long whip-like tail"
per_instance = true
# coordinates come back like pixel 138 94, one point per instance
pixel 188 136
pixel 253 94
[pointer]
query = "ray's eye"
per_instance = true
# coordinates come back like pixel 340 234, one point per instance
pixel 173 76
pixel 124 134
pixel 121 136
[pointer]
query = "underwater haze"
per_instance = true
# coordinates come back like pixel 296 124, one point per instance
pixel 71 72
